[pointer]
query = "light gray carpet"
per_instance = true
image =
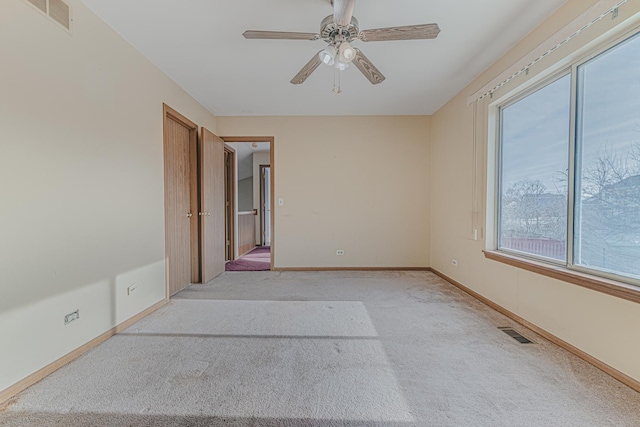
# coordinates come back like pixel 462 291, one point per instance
pixel 325 349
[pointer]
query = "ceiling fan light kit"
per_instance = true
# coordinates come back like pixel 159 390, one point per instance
pixel 328 56
pixel 339 31
pixel 347 53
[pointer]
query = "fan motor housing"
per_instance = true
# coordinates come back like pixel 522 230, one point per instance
pixel 329 30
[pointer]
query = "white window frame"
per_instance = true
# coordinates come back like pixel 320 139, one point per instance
pixel 494 192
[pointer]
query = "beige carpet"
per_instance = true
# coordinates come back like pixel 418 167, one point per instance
pixel 325 349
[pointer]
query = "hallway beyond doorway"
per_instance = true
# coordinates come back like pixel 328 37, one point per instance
pixel 258 259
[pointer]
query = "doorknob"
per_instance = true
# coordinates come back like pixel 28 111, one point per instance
pixel 189 215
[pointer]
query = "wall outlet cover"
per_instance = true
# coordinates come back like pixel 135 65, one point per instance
pixel 71 317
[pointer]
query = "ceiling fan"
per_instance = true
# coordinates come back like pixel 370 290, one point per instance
pixel 339 30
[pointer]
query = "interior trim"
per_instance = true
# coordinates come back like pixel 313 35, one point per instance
pixel 620 376
pixel 27 382
pixel 599 284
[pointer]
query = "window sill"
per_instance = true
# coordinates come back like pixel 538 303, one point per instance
pixel 599 284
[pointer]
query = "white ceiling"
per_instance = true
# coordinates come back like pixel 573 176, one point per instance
pixel 199 44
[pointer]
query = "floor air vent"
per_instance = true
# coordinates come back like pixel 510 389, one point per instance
pixel 516 336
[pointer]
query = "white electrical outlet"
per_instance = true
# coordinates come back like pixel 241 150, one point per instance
pixel 340 252
pixel 71 317
pixel 454 262
pixel 131 289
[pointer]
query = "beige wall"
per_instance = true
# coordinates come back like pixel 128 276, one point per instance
pixel 81 183
pixel 603 326
pixel 245 195
pixel 351 183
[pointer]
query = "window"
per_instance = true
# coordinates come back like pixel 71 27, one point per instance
pixel 540 181
pixel 607 205
pixel 535 161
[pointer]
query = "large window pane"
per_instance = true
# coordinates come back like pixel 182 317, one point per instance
pixel 534 172
pixel 607 214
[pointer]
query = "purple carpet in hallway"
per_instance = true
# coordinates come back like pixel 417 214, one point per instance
pixel 258 259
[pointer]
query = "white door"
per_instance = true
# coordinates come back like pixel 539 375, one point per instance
pixel 266 206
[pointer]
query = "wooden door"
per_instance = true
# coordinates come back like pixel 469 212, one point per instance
pixel 212 205
pixel 181 201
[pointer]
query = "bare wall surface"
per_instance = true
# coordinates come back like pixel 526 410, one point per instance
pixel 81 183
pixel 600 325
pixel 245 195
pixel 350 183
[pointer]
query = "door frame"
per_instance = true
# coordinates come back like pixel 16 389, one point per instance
pixel 169 113
pixel 230 187
pixel 271 141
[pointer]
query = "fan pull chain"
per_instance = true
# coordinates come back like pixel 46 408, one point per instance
pixel 336 81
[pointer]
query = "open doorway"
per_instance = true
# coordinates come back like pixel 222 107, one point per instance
pixel 252 203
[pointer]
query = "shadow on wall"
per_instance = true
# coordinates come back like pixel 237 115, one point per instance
pixel 73 278
pixel 37 334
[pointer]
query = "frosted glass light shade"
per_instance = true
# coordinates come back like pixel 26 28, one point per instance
pixel 341 65
pixel 328 56
pixel 346 52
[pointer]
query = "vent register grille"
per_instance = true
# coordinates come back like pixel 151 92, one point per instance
pixel 57 10
pixel 516 336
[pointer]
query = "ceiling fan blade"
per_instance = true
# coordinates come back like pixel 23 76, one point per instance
pixel 279 35
pixel 409 32
pixel 343 11
pixel 307 70
pixel 367 68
